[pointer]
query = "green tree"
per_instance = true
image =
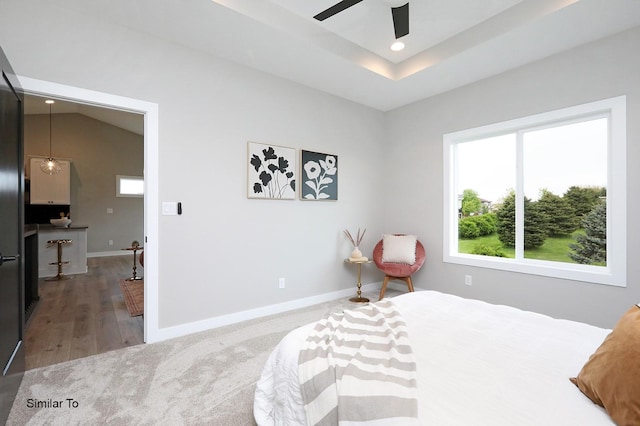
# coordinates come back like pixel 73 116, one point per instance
pixel 534 223
pixel 470 202
pixel 506 220
pixel 583 199
pixel 560 217
pixel 468 229
pixel 486 223
pixel 476 226
pixel 592 247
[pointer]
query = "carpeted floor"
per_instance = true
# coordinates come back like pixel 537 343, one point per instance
pixel 206 378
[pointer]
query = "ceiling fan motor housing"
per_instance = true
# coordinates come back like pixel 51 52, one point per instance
pixel 399 12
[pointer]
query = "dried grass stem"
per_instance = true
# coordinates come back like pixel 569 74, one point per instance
pixel 355 241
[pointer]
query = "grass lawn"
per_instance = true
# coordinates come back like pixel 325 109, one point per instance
pixel 553 249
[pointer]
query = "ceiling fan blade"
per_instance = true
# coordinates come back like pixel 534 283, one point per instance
pixel 336 8
pixel 401 20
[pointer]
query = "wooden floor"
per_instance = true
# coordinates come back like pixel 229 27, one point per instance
pixel 82 316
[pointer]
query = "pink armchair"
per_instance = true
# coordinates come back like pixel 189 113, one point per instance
pixel 400 271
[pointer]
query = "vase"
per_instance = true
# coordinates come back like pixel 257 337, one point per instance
pixel 356 253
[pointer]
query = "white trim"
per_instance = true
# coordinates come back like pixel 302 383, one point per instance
pixel 615 273
pixel 13 355
pixel 151 210
pixel 236 317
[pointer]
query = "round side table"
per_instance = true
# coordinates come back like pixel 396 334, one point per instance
pixel 359 263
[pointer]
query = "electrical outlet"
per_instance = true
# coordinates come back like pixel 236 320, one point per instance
pixel 467 280
pixel 110 242
pixel 281 282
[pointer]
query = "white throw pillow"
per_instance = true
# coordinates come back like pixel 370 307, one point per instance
pixel 399 249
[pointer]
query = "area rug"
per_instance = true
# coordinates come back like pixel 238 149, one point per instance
pixel 133 296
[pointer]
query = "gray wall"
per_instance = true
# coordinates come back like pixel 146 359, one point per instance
pixel 604 69
pixel 98 152
pixel 226 252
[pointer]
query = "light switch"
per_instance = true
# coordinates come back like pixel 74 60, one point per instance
pixel 109 210
pixel 169 208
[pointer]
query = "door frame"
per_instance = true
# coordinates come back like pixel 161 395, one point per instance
pixel 43 88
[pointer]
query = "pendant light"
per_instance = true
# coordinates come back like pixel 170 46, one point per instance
pixel 50 166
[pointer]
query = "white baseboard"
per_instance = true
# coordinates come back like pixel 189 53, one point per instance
pixel 221 321
pixel 215 322
pixel 109 253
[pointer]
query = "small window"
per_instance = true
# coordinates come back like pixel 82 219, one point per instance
pixel 129 186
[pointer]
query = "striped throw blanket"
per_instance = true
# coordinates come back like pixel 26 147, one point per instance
pixel 357 368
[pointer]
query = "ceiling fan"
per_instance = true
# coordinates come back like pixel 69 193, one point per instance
pixel 400 14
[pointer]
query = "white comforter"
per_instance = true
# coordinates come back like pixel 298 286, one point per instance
pixel 478 364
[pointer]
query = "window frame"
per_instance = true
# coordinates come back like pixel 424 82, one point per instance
pixel 119 179
pixel 614 273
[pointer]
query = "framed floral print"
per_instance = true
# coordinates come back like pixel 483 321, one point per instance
pixel 271 171
pixel 319 176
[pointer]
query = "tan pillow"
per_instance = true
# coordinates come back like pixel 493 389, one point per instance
pixel 611 376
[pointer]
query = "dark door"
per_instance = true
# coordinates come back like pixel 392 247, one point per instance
pixel 11 238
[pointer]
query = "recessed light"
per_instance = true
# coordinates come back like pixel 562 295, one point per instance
pixel 397 46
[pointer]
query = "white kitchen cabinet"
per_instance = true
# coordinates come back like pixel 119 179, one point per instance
pixel 50 189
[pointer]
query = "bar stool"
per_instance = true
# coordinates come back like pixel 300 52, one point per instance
pixel 60 275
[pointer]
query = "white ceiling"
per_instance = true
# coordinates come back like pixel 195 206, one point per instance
pixel 451 42
pixel 369 24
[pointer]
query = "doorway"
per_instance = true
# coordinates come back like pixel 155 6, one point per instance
pixel 151 211
pixel 88 314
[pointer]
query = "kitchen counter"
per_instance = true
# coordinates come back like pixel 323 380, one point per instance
pixel 47 227
pixel 75 253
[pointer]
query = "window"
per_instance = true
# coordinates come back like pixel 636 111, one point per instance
pixel 542 195
pixel 129 186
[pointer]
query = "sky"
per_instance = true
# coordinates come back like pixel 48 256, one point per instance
pixel 554 158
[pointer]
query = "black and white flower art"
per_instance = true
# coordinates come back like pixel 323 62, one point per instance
pixel 319 176
pixel 271 172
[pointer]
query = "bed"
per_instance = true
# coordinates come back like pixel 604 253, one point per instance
pixel 476 364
